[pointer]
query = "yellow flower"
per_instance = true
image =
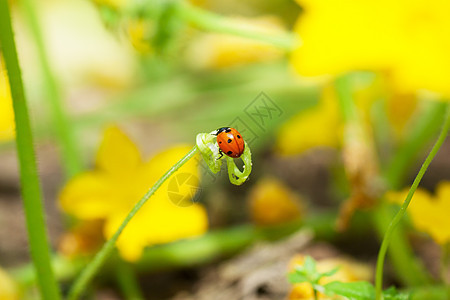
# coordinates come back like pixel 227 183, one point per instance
pixel 429 213
pixel 8 288
pixel 120 179
pixel 349 271
pixel 140 32
pixel 271 203
pixel 408 39
pixel 320 126
pixel 218 51
pixel 6 109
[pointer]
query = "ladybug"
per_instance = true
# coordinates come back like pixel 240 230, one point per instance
pixel 230 142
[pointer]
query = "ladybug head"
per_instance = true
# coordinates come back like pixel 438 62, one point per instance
pixel 223 129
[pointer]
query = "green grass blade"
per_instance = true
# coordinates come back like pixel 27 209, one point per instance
pixel 31 191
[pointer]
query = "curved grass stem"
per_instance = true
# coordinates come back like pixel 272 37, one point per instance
pixel 402 211
pixel 212 22
pixel 30 186
pixel 91 269
pixel 408 269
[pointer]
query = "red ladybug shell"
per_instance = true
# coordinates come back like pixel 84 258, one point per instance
pixel 230 141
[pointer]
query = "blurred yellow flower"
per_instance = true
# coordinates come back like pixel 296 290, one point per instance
pixel 83 239
pixel 429 213
pixel 6 108
pixel 217 51
pixel 271 203
pixel 323 126
pixel 116 4
pixel 8 288
pixel 140 32
pixel 400 108
pixel 120 179
pixel 410 40
pixel 348 271
pixel 319 126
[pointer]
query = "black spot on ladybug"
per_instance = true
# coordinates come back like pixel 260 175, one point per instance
pixel 228 130
pixel 220 142
pixel 238 136
pixel 229 141
pixel 230 152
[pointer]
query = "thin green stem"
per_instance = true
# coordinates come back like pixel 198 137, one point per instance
pixel 402 211
pixel 92 268
pixel 126 278
pixel 345 98
pixel 407 268
pixel 421 134
pixel 31 191
pixel 316 297
pixel 70 155
pixel 213 22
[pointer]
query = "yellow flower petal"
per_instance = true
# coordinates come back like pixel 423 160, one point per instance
pixel 6 107
pixel 429 213
pixel 163 161
pixel 8 288
pixel 319 126
pixel 335 43
pixel 117 153
pixel 159 221
pixel 91 195
pixel 271 203
pixel 140 33
pixel 409 39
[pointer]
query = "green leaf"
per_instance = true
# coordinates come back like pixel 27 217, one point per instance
pixel 358 290
pixel 310 265
pixel 297 278
pixel 329 273
pixel 392 294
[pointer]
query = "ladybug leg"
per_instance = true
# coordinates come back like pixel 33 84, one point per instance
pixel 221 154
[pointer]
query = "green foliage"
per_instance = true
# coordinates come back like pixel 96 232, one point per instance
pixel 358 290
pixel 308 273
pixel 392 294
pixel 29 176
pixel 438 292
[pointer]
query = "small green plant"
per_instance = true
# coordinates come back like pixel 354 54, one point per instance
pixel 308 273
pixel 357 290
